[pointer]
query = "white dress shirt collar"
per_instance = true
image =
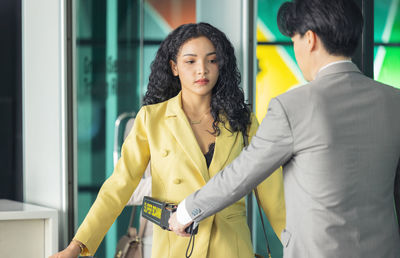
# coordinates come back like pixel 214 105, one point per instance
pixel 333 63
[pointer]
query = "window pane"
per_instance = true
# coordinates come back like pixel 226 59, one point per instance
pixel 387 65
pixel 387 41
pixel 387 21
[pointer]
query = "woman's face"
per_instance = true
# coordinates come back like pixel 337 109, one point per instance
pixel 197 67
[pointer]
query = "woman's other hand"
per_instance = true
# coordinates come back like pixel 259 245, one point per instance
pixel 72 251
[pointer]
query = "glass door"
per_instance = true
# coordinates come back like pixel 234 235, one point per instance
pixel 116 40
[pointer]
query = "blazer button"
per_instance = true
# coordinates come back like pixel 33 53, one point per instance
pixel 177 181
pixel 164 153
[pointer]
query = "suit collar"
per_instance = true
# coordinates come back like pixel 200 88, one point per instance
pixel 338 68
pixel 179 126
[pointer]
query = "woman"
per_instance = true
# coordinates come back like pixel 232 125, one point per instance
pixel 191 126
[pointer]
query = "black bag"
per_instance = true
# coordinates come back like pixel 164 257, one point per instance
pixel 130 245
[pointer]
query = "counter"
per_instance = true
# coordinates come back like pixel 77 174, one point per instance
pixel 27 230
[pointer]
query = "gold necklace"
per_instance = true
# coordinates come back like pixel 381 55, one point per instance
pixel 193 122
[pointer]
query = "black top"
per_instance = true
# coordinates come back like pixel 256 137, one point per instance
pixel 209 155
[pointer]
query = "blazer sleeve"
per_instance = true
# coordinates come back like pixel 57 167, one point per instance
pixel 143 189
pixel 118 188
pixel 271 147
pixel 397 194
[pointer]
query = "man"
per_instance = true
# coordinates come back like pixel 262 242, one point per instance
pixel 337 138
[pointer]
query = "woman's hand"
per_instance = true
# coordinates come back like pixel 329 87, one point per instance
pixel 72 251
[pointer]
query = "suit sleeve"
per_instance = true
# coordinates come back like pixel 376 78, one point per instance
pixel 271 193
pixel 397 194
pixel 118 188
pixel 271 147
pixel 272 198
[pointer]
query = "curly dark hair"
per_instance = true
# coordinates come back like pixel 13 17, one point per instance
pixel 227 97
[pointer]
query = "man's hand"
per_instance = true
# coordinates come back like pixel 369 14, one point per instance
pixel 178 228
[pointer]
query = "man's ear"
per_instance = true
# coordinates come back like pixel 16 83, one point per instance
pixel 311 37
pixel 174 68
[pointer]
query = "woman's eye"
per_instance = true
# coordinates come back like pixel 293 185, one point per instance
pixel 213 61
pixel 189 61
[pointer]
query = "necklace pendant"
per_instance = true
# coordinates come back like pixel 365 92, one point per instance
pixel 195 122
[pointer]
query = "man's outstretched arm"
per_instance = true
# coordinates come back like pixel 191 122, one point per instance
pixel 271 147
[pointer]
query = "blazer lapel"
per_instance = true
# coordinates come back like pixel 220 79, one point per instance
pixel 224 144
pixel 179 126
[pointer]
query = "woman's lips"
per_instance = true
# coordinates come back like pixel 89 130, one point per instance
pixel 202 81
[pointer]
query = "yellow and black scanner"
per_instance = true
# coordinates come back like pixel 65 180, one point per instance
pixel 159 213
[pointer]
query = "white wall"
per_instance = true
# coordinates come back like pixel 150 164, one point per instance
pixel 44 112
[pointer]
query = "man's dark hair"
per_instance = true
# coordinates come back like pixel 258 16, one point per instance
pixel 338 23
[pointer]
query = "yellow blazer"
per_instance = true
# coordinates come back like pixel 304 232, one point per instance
pixel 162 134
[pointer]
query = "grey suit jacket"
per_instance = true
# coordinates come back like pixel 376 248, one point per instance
pixel 338 140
